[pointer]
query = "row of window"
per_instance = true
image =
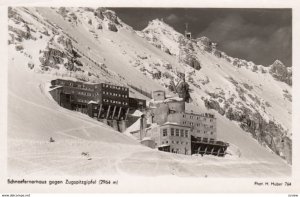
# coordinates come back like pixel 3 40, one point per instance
pixel 83 100
pixel 114 87
pixel 176 132
pixel 197 117
pixel 198 124
pixel 75 85
pixel 85 93
pixel 174 142
pixel 115 102
pixel 205 132
pixel 115 94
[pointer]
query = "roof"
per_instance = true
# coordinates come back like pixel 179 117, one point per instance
pixel 175 124
pixel 164 145
pixel 92 102
pixel 147 139
pixel 56 87
pixel 158 91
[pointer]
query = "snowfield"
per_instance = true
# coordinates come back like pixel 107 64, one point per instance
pixel 85 147
pixel 33 118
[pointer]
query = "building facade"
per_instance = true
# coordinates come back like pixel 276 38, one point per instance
pixel 100 101
pixel 172 119
pixel 203 126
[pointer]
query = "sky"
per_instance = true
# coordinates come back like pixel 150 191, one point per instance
pixel 258 35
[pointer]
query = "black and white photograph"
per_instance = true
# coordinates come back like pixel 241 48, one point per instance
pixel 160 93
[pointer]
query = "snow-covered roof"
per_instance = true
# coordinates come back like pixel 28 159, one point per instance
pixel 164 145
pixel 92 102
pixel 137 113
pixel 56 87
pixel 146 139
pixel 176 98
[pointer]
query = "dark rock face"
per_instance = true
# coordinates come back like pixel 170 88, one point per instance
pixel 212 104
pixel 20 33
pixel 99 26
pixel 156 75
pixel 192 61
pixel 183 91
pixel 19 47
pixel 66 42
pixel 111 16
pixel 112 27
pixel 206 43
pixel 63 11
pixel 266 133
pixel 99 13
pixel 217 53
pixel 69 58
pixel 52 57
pixel 280 72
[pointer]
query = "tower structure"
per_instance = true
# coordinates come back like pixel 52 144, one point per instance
pixel 187 33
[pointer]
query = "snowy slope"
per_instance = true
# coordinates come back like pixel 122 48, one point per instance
pixel 124 57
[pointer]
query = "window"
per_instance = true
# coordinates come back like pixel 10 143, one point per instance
pixel 172 131
pixel 191 117
pixel 183 115
pixel 211 133
pixel 165 132
pixel 187 143
pixel 211 126
pixel 162 142
pixel 211 120
pixel 167 142
pixel 173 142
pixel 177 142
pixel 177 132
pixel 186 133
pixel 181 133
pixel 198 131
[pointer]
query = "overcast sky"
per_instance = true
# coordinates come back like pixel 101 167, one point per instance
pixel 258 35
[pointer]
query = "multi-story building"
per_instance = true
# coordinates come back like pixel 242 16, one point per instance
pixel 101 101
pixel 176 137
pixel 203 126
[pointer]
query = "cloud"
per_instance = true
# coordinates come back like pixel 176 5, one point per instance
pixel 259 43
pixel 172 18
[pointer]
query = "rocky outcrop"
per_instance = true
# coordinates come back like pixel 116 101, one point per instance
pixel 110 15
pixel 190 59
pixel 217 53
pixel 112 27
pixel 267 133
pixel 280 72
pixel 66 42
pixel 212 104
pixel 21 34
pixel 156 75
pixel 99 13
pixel 183 90
pixel 53 58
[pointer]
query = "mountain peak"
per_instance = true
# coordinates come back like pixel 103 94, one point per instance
pixel 278 62
pixel 158 24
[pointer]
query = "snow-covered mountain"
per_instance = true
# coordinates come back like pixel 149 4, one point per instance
pixel 252 102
